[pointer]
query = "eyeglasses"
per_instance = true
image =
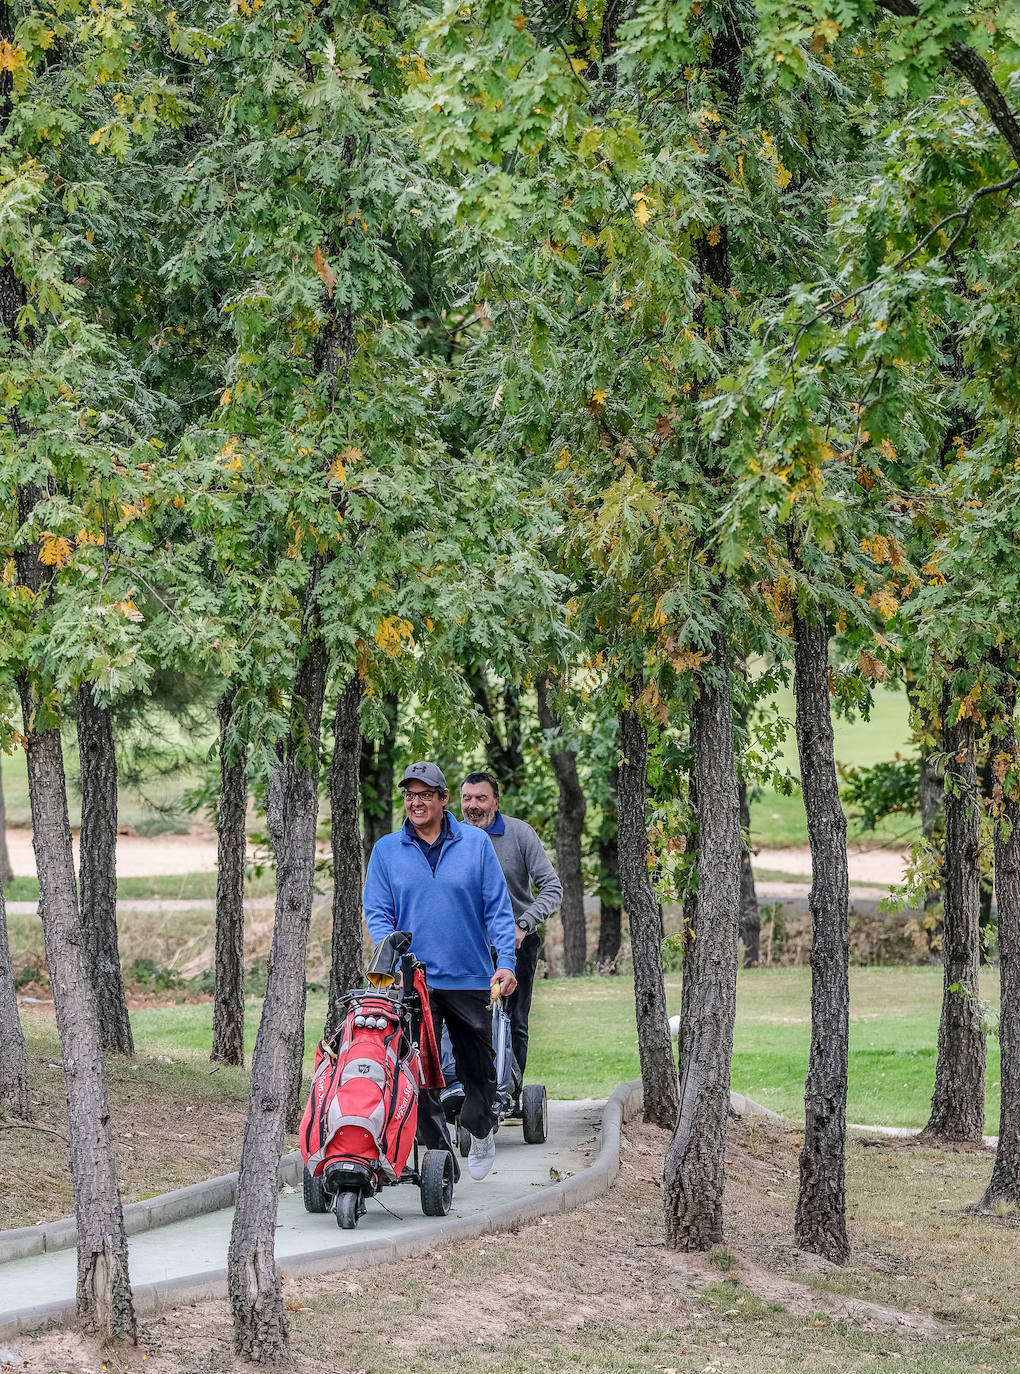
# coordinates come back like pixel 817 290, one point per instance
pixel 427 794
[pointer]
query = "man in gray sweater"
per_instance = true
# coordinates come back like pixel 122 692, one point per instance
pixel 525 865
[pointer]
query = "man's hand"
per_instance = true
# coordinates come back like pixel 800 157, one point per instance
pixel 520 936
pixel 503 983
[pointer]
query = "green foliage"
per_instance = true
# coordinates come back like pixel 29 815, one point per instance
pixel 885 789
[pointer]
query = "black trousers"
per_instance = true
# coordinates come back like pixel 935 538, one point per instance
pixel 467 1016
pixel 518 1004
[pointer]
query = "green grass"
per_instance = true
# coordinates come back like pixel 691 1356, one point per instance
pixel 154 808
pixel 583 1041
pixel 163 887
pixel 777 821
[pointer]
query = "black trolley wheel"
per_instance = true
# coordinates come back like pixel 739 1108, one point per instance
pixel 348 1207
pixel 436 1183
pixel 314 1193
pixel 463 1141
pixel 535 1113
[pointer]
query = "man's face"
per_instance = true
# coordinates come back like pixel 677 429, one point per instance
pixel 424 805
pixel 478 804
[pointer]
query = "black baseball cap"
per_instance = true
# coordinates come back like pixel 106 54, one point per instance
pixel 428 773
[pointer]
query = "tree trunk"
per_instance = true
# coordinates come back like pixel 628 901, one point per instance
pixel 820 1224
pixel 958 1104
pixel 694 1174
pixel 104 1288
pixel 986 915
pixel 6 871
pixel 1004 1185
pixel 231 842
pixel 610 933
pixel 292 802
pixel 655 1050
pixel 750 916
pixel 930 791
pixel 13 1060
pixel 377 768
pixel 346 966
pixel 97 869
pixel 570 813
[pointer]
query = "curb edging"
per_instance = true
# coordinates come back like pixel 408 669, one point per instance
pixel 572 1192
pixel 194 1200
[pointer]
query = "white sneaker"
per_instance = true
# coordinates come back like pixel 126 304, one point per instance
pixel 482 1155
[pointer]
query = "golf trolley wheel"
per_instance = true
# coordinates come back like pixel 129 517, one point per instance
pixel 314 1193
pixel 463 1141
pixel 535 1113
pixel 348 1207
pixel 436 1183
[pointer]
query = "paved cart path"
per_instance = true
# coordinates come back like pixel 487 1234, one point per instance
pixel 197 1248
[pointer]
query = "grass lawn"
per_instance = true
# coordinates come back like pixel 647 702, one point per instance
pixel 172 887
pixel 583 1041
pixel 153 808
pixel 778 821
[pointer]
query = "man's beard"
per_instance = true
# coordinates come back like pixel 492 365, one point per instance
pixel 480 819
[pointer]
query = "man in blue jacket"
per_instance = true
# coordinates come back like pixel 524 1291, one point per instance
pixel 441 881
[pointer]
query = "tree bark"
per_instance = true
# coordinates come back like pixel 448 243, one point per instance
pixel 377 769
pixel 694 1174
pixel 346 966
pixel 14 1100
pixel 260 1321
pixel 655 1049
pixel 1004 1185
pixel 986 914
pixel 820 1224
pixel 750 916
pixel 97 869
pixel 570 813
pixel 104 1300
pixel 6 871
pixel 231 843
pixel 610 912
pixel 958 1104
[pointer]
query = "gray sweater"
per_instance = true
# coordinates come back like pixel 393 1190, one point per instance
pixel 524 862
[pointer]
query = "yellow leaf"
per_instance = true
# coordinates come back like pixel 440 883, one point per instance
pixel 128 609
pixel 390 634
pixel 55 551
pixel 324 270
pixel 642 214
pixel 885 603
pixel 714 235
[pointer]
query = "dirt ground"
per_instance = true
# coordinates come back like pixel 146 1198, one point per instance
pixel 171 1128
pixel 138 856
pixel 598 1290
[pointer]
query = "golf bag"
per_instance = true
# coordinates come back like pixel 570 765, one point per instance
pixel 363 1106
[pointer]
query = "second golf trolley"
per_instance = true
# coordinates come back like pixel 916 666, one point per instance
pixel 510 1090
pixel 357 1134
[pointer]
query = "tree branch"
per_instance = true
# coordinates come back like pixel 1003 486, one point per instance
pixel 30 1126
pixel 973 67
pixel 963 215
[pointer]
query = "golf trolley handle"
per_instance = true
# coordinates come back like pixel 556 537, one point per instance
pixel 408 994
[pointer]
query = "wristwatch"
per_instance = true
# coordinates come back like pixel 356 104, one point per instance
pixel 523 925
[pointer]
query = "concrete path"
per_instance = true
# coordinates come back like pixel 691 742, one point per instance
pixel 186 1259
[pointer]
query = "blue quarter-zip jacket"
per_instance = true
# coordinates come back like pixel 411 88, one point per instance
pixel 454 915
